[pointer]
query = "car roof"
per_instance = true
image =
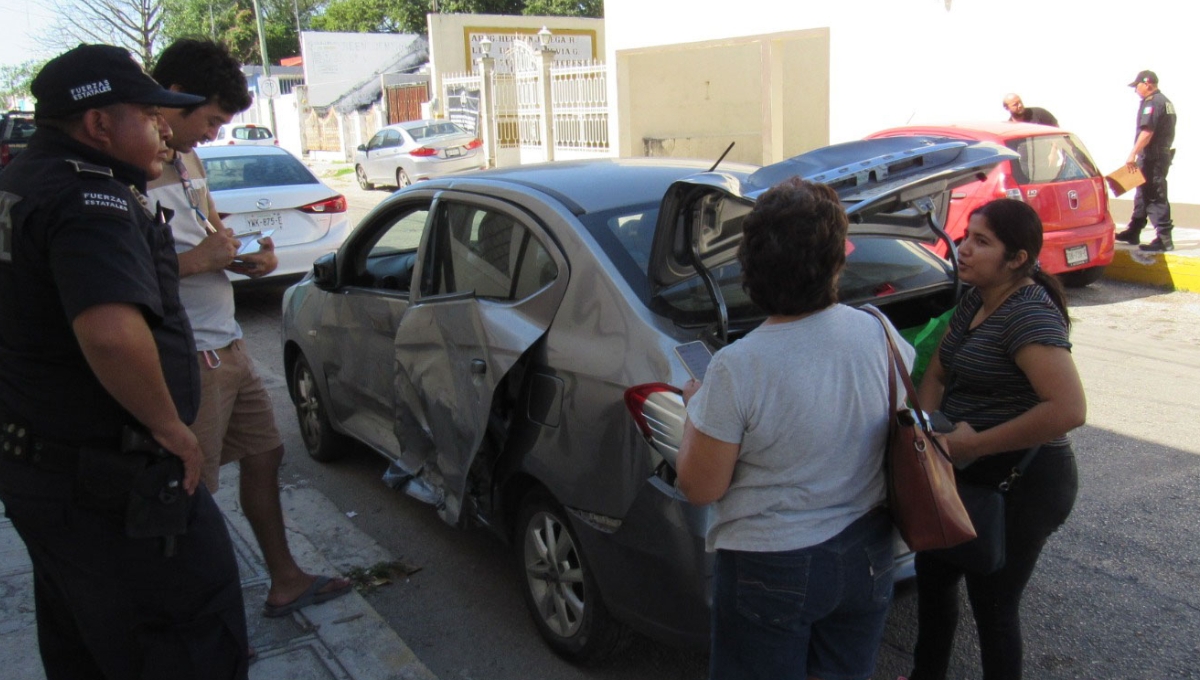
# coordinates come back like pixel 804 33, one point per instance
pixel 226 151
pixel 984 131
pixel 589 186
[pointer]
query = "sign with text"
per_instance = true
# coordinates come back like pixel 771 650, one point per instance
pixel 567 44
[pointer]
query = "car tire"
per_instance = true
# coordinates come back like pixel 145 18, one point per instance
pixel 1081 277
pixel 361 174
pixel 402 179
pixel 322 443
pixel 559 589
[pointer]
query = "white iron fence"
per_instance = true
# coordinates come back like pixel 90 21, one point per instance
pixel 518 110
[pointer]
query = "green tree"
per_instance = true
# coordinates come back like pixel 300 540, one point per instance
pixel 565 8
pixel 14 80
pixel 232 22
pixel 408 16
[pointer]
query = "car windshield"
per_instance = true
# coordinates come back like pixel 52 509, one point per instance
pixel 249 172
pixel 1051 158
pixel 251 133
pixel 875 266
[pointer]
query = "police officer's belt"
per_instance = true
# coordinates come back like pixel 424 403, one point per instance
pixel 19 446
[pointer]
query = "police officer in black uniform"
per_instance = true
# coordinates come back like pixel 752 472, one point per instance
pixel 1152 152
pixel 134 572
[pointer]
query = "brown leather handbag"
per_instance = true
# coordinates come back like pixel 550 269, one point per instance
pixel 922 495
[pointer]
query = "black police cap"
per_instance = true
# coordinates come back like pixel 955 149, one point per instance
pixel 92 76
pixel 1145 77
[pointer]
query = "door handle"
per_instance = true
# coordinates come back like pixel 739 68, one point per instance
pixel 478 366
pixel 1073 199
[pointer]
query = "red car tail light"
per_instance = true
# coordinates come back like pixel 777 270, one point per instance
pixel 337 204
pixel 1007 187
pixel 5 154
pixel 473 144
pixel 659 413
pixel 423 151
pixel 646 405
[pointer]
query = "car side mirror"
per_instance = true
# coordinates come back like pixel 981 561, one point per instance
pixel 325 271
pixel 362 147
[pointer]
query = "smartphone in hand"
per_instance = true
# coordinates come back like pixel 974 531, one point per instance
pixel 695 356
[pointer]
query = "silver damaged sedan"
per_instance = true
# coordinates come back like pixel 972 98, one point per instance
pixel 507 339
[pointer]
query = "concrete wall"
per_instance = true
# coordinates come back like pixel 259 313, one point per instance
pixel 692 100
pixel 895 62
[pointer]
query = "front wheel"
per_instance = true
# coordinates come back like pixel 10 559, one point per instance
pixel 559 589
pixel 1081 277
pixel 361 174
pixel 322 443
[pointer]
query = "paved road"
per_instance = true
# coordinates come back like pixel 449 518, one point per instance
pixel 1116 595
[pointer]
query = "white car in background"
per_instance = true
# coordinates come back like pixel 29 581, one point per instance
pixel 401 154
pixel 244 134
pixel 260 189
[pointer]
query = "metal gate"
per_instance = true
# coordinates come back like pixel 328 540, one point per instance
pixel 404 102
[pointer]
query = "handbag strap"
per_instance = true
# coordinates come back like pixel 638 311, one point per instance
pixel 895 365
pixel 1019 468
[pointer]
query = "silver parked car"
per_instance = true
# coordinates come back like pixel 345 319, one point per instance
pixel 401 154
pixel 507 341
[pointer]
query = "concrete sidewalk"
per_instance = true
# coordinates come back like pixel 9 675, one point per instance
pixel 344 639
pixel 1178 269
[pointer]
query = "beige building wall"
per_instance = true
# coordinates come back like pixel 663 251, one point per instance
pixel 768 95
pixel 898 62
pixel 451 39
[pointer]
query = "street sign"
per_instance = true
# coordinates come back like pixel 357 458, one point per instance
pixel 268 87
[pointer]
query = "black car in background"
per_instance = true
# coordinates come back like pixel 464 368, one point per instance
pixel 16 127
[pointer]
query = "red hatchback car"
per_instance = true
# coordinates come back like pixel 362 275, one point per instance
pixel 1055 175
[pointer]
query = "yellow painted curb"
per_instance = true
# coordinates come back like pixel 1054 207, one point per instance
pixel 1155 269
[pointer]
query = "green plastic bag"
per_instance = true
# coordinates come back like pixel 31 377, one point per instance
pixel 925 339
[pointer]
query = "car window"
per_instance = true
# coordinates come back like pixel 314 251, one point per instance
pixel 875 266
pixel 391 138
pixel 251 133
pixel 1051 158
pixel 484 252
pixel 404 233
pixel 248 172
pixel 22 130
pixel 387 259
pixel 635 232
pixel 377 140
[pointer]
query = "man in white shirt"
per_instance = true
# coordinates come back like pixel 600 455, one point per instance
pixel 236 420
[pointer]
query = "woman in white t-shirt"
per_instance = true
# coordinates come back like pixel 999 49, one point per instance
pixel 786 437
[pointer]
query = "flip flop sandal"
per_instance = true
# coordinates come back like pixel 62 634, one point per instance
pixel 311 595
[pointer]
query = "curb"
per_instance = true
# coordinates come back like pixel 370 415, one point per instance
pixel 1155 269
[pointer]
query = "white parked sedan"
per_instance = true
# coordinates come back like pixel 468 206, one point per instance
pixel 401 154
pixel 248 134
pixel 265 188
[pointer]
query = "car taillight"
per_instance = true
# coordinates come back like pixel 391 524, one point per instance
pixel 336 204
pixel 5 154
pixel 423 151
pixel 473 144
pixel 659 413
pixel 1007 187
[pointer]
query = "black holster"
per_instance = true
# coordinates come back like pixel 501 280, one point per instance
pixel 142 480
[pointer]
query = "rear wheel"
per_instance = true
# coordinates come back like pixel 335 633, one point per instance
pixel 402 179
pixel 320 440
pixel 559 588
pixel 361 174
pixel 1081 277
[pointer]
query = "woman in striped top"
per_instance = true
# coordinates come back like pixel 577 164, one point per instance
pixel 1004 374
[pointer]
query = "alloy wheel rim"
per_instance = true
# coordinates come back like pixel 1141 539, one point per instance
pixel 555 574
pixel 309 407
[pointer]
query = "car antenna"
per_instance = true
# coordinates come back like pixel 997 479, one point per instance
pixel 727 150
